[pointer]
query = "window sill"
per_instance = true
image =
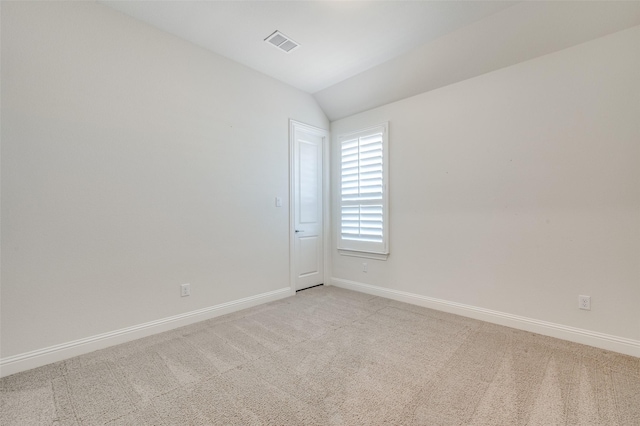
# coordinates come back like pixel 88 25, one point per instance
pixel 367 255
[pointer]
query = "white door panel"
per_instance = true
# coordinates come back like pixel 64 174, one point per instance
pixel 308 260
pixel 308 257
pixel 308 180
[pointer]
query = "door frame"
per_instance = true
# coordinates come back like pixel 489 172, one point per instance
pixel 326 208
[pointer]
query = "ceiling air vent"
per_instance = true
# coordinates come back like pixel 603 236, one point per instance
pixel 281 41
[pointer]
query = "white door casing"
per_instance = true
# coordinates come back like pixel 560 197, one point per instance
pixel 307 145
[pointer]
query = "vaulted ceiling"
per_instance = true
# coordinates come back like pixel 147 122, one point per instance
pixel 356 55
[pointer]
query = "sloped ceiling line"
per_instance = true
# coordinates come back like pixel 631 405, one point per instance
pixel 358 55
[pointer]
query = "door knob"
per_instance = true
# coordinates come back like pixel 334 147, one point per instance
pixel 298 230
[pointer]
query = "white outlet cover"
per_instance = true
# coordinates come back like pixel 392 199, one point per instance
pixel 584 302
pixel 185 290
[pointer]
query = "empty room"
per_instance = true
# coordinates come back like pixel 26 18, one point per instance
pixel 320 213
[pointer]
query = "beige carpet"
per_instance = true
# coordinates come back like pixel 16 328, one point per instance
pixel 329 356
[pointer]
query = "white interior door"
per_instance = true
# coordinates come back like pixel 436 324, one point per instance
pixel 308 241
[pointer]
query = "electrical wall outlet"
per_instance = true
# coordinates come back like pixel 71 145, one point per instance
pixel 185 290
pixel 364 267
pixel 584 302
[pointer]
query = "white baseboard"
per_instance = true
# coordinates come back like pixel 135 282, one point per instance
pixel 28 360
pixel 572 334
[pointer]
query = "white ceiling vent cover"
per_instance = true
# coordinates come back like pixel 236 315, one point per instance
pixel 281 41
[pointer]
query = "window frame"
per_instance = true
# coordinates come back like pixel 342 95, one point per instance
pixel 366 249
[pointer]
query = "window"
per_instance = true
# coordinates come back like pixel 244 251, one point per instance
pixel 364 224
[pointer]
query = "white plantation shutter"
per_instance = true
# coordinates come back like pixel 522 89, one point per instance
pixel 363 191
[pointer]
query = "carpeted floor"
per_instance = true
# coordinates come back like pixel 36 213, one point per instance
pixel 329 356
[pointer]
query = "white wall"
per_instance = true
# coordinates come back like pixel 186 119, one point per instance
pixel 521 32
pixel 518 190
pixel 133 162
